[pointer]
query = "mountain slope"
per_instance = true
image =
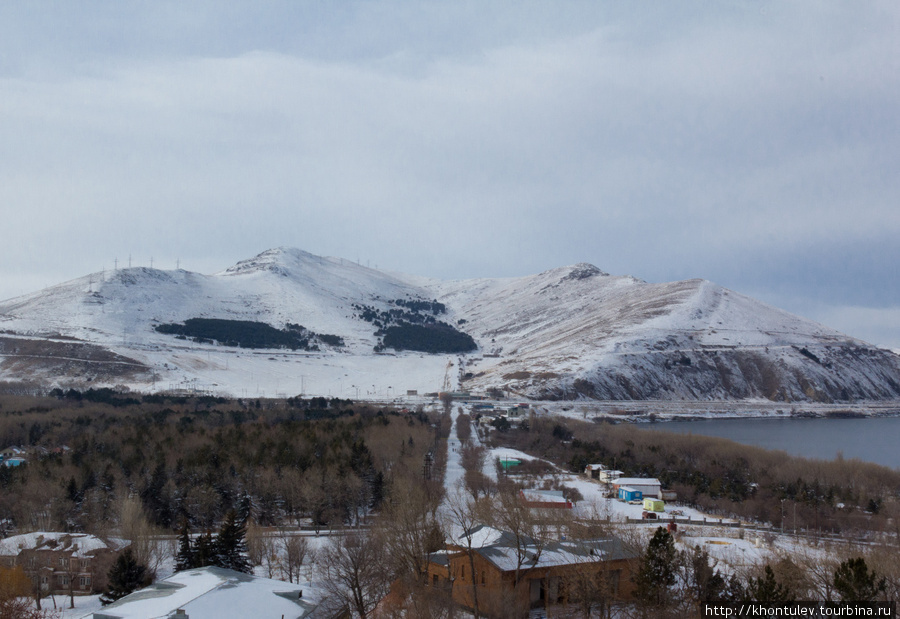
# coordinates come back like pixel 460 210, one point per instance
pixel 571 332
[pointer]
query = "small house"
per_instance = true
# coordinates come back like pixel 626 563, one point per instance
pixel 654 505
pixel 629 494
pixel 592 471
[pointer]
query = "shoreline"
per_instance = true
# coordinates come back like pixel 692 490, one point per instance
pixel 647 412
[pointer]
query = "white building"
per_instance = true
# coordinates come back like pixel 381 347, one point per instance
pixel 214 593
pixel 608 476
pixel 648 486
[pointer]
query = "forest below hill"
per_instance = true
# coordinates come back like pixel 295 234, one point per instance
pixel 191 460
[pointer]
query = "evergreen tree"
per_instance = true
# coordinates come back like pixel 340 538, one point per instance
pixel 245 509
pixel 767 589
pixel 228 549
pixel 706 583
pixel 203 551
pixel 184 558
pixel 855 583
pixel 230 546
pixel 657 572
pixel 125 576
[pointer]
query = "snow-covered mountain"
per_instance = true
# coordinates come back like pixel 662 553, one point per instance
pixel 571 332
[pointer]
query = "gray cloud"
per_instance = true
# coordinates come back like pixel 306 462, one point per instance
pixel 750 143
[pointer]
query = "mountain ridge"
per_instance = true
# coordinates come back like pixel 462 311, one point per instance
pixel 571 332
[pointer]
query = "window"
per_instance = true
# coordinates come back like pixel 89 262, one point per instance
pixel 85 581
pixel 614 577
pixel 63 580
pixel 62 562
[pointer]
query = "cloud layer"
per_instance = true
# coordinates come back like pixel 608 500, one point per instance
pixel 749 143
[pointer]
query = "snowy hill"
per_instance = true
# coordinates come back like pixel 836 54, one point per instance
pixel 571 332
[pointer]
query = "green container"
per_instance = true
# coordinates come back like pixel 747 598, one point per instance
pixel 508 463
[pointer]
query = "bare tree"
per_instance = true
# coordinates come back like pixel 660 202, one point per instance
pixel 410 530
pixel 462 513
pixel 261 548
pixel 295 550
pixel 463 427
pixel 135 527
pixel 592 589
pixel 353 574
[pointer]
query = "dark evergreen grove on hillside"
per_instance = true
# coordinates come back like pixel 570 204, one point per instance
pixel 432 338
pixel 412 325
pixel 249 334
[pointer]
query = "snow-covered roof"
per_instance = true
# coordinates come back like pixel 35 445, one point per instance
pixel 500 548
pixel 79 544
pixel 637 481
pixel 215 593
pixel 544 496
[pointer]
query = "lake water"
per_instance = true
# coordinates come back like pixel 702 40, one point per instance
pixel 873 440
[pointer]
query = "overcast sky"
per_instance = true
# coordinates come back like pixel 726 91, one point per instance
pixel 752 143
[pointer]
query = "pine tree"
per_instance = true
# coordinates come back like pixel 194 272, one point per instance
pixel 230 546
pixel 706 583
pixel 125 576
pixel 204 551
pixel 855 583
pixel 245 509
pixel 657 573
pixel 767 589
pixel 184 558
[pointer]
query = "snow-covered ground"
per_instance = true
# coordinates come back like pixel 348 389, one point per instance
pixel 595 503
pixel 535 334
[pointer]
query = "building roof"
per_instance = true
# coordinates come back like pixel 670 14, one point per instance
pixel 215 593
pixel 638 481
pixel 545 498
pixel 500 548
pixel 78 544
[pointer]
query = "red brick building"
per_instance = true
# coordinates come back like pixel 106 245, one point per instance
pixel 62 563
pixel 512 575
